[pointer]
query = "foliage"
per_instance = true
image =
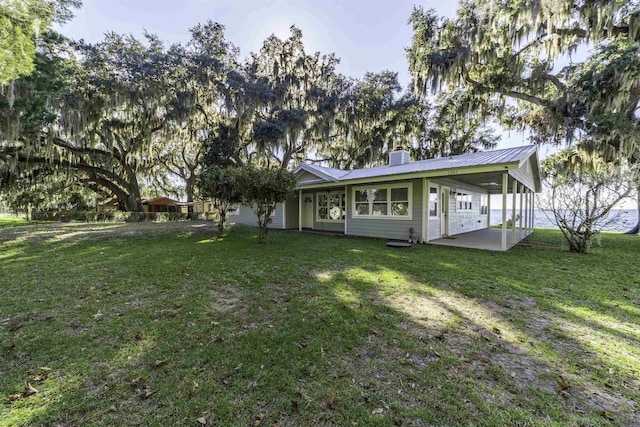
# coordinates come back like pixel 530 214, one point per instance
pixel 219 185
pixel 449 129
pixel 22 23
pixel 262 189
pixel 581 192
pixel 315 330
pixel 507 56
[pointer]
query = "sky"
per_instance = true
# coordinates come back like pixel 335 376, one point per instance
pixel 367 36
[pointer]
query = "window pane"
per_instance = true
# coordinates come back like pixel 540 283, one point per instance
pixel 335 200
pixel 400 208
pixel 322 213
pixel 362 209
pixel 399 194
pixel 379 195
pixel 322 200
pixel 433 201
pixel 362 195
pixel 379 209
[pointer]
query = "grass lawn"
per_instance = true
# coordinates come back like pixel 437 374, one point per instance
pixel 164 324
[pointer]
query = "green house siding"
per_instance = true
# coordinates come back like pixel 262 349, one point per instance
pixel 247 216
pixel 291 212
pixel 388 228
pixel 306 176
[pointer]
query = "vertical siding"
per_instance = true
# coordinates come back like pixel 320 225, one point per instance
pixel 388 228
pixel 247 216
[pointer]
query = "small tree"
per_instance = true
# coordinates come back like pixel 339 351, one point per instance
pixel 262 189
pixel 219 184
pixel 581 192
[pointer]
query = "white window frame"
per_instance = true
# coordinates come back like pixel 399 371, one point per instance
pixel 388 187
pixel 468 204
pixel 486 204
pixel 437 206
pixel 341 193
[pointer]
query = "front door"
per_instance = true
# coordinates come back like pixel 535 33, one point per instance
pixel 307 211
pixel 444 218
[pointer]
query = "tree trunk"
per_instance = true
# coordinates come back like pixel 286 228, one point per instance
pixel 190 187
pixel 636 229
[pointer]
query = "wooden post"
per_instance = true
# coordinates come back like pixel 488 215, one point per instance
pixel 526 210
pixel 520 231
pixel 513 211
pixel 505 185
pixel 426 194
pixel 488 210
pixel 299 210
pixel 346 210
pixel 533 210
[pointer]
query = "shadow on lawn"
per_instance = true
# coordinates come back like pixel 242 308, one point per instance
pixel 303 330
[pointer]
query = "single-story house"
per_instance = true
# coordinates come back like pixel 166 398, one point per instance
pixel 164 204
pixel 439 201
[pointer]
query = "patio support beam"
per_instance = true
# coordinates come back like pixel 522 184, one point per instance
pixel 505 186
pixel 520 231
pixel 533 210
pixel 488 210
pixel 426 194
pixel 299 210
pixel 513 211
pixel 346 210
pixel 526 210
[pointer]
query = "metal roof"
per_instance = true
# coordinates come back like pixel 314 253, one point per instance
pixel 484 158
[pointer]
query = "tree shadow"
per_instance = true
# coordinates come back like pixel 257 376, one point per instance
pixel 306 330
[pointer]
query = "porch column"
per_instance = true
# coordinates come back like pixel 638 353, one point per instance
pixel 533 210
pixel 299 210
pixel 529 219
pixel 488 210
pixel 505 184
pixel 426 194
pixel 346 210
pixel 522 190
pixel 513 211
pixel 526 210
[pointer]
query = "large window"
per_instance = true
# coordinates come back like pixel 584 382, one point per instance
pixel 484 204
pixel 330 206
pixel 389 201
pixel 433 202
pixel 463 201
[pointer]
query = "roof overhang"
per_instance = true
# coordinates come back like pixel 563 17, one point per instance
pixel 303 167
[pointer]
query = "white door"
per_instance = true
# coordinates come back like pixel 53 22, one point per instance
pixel 444 206
pixel 307 211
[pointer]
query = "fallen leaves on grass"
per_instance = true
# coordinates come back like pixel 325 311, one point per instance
pixel 159 362
pixel 98 316
pixel 608 415
pixel 202 420
pixel 42 374
pixel 29 390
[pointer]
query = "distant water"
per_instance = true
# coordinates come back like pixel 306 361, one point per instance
pixel 625 219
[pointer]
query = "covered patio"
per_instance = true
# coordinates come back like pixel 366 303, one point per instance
pixel 489 239
pixel 516 187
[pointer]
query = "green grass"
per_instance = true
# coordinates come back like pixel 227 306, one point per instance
pixel 168 325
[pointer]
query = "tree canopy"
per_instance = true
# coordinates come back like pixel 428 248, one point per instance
pixel 22 23
pixel 516 60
